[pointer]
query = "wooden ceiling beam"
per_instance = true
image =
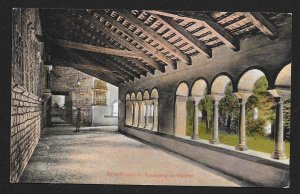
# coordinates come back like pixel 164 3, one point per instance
pixel 138 39
pixel 185 35
pixel 72 57
pixel 59 61
pixel 262 24
pixel 95 49
pixel 111 72
pixel 121 41
pixel 216 29
pixel 153 35
pixel 124 67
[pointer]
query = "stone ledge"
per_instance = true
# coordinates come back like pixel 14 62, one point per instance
pixel 245 166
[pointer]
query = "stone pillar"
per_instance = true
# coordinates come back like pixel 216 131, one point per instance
pixel 147 104
pixel 215 133
pixel 155 115
pixel 280 95
pixel 140 115
pixel 279 131
pixel 243 97
pixel 196 101
pixel 133 112
pixel 128 113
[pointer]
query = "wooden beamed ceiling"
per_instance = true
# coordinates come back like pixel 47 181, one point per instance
pixel 118 46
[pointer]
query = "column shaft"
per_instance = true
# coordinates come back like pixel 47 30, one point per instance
pixel 279 131
pixel 155 116
pixel 147 115
pixel 196 114
pixel 215 132
pixel 242 127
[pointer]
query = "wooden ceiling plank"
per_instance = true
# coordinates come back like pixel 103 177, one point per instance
pixel 216 29
pixel 262 24
pixel 186 36
pixel 110 43
pixel 151 33
pixel 121 41
pixel 139 40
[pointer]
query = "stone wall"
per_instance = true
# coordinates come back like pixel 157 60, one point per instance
pixel 28 81
pixel 64 79
pixel 26 124
pixel 255 52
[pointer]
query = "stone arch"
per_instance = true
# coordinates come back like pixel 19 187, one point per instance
pixel 154 93
pixel 132 96
pixel 182 89
pixel 139 96
pixel 127 97
pixel 283 79
pixel 181 99
pixel 219 83
pixel 199 87
pixel 146 95
pixel 249 78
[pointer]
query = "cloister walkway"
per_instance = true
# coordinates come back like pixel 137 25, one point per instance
pixel 101 155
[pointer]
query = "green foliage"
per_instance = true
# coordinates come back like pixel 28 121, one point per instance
pixel 190 112
pixel 229 107
pixel 265 103
pixel 206 107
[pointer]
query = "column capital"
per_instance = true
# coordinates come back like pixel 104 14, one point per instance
pixel 196 99
pixel 140 102
pixel 243 95
pixel 280 92
pixel 154 100
pixel 147 102
pixel 216 96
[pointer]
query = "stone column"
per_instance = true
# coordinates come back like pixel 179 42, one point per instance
pixel 279 131
pixel 133 112
pixel 280 95
pixel 243 97
pixel 215 133
pixel 155 115
pixel 140 115
pixel 196 101
pixel 147 104
pixel 127 112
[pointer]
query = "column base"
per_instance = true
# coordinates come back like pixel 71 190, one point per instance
pixel 195 137
pixel 279 156
pixel 214 141
pixel 241 147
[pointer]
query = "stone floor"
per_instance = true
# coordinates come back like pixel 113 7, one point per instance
pixel 100 155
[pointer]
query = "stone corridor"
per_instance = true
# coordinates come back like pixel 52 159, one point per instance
pixel 101 155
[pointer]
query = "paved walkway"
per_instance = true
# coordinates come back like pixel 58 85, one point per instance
pixel 103 156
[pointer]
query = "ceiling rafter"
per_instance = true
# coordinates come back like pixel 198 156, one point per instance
pixel 125 68
pixel 185 35
pixel 137 39
pixel 157 38
pixel 121 41
pixel 58 59
pixel 262 24
pixel 95 49
pixel 216 29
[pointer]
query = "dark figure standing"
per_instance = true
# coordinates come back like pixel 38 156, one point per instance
pixel 78 120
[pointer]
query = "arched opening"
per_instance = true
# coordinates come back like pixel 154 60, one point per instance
pixel 154 109
pixel 146 111
pixel 193 113
pixel 128 110
pixel 182 93
pixel 257 112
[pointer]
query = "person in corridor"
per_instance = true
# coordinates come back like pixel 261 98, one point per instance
pixel 78 120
